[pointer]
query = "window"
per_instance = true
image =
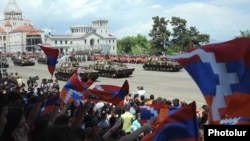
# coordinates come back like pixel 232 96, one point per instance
pixel 55 42
pixel 66 42
pixel 61 42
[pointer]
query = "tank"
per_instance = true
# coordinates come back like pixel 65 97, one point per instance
pixel 4 63
pixel 42 59
pixel 162 64
pixel 111 69
pixel 23 61
pixel 64 70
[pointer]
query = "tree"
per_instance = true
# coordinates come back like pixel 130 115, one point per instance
pixel 159 34
pixel 133 45
pixel 183 37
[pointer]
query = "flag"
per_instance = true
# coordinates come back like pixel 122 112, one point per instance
pixel 49 105
pixel 182 125
pixel 153 114
pixel 74 88
pixel 52 55
pixel 222 73
pixel 110 93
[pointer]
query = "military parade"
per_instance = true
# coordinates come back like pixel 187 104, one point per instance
pixel 149 71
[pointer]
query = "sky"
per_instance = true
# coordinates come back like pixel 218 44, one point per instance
pixel 221 19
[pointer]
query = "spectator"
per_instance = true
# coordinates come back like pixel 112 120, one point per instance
pixel 3 112
pixel 113 117
pixel 136 123
pixel 127 119
pixel 140 91
pixel 104 123
pixel 175 106
pixel 16 127
pixel 151 99
pixel 57 133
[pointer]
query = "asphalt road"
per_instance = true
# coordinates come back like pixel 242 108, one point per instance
pixel 168 85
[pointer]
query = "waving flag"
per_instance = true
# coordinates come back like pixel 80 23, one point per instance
pixel 74 88
pixel 110 93
pixel 182 125
pixel 222 72
pixel 52 55
pixel 153 114
pixel 49 105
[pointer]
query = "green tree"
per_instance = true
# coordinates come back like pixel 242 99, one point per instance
pixel 124 45
pixel 183 37
pixel 159 34
pixel 133 45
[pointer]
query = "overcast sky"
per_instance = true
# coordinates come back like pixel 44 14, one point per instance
pixel 221 19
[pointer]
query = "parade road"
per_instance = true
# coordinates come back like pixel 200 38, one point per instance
pixel 167 85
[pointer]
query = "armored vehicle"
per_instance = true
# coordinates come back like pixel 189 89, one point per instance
pixel 42 59
pixel 64 70
pixel 162 64
pixel 4 63
pixel 23 61
pixel 111 69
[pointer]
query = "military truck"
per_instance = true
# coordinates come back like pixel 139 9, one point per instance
pixel 64 70
pixel 22 60
pixel 111 69
pixel 42 59
pixel 162 64
pixel 4 63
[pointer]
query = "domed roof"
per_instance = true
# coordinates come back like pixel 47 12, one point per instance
pixel 12 7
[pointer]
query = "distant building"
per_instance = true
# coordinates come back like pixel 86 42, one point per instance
pixel 16 33
pixel 92 39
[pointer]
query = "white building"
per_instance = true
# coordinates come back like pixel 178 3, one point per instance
pixel 94 38
pixel 16 33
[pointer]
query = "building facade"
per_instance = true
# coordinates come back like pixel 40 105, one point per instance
pixel 16 33
pixel 91 39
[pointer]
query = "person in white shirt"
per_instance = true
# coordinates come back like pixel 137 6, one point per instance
pixel 141 91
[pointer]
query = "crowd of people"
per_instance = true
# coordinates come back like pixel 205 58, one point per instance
pixel 21 120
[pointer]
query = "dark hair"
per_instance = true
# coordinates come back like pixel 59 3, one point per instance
pixel 176 102
pixel 62 120
pixel 3 101
pixel 151 96
pixel 126 107
pixel 57 133
pixel 40 124
pixel 12 96
pixel 13 119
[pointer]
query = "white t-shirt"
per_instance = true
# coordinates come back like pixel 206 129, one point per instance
pixel 141 92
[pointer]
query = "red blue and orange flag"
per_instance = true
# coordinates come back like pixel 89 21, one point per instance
pixel 153 114
pixel 222 72
pixel 182 125
pixel 109 93
pixel 52 55
pixel 49 105
pixel 74 88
